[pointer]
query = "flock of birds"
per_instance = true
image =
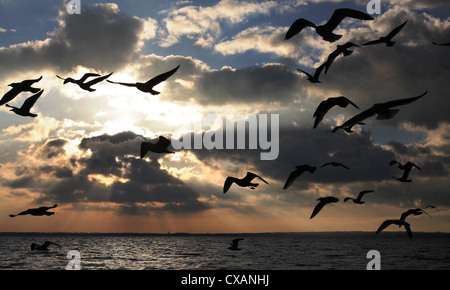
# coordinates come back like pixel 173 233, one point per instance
pixel 382 111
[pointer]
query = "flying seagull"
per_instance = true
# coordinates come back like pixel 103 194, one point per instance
pixel 314 78
pixel 82 81
pixel 341 49
pixel 159 147
pixel 296 173
pixel 26 106
pixel 329 103
pixel 148 86
pixel 400 223
pixel 334 164
pixel 234 245
pixel 382 110
pixel 432 206
pixel 413 211
pixel 43 247
pixel 326 30
pixel 407 167
pixel 358 199
pixel 40 211
pixel 17 88
pixel 322 202
pixel 243 182
pixel 388 38
pixel 442 44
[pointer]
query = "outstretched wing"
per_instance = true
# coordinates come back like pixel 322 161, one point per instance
pixel 373 42
pixel 298 26
pixel 443 44
pixel 29 103
pixel 291 178
pixel 306 73
pixel 227 184
pixel 396 30
pixel 319 70
pixel 88 75
pixel 163 141
pixel 401 102
pixel 145 147
pixel 162 77
pixel 384 225
pixel 362 193
pixel 322 110
pixel 317 208
pixel 340 14
pixel 97 80
pixel 408 229
pixel 357 119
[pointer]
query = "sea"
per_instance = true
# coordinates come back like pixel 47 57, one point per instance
pixel 259 251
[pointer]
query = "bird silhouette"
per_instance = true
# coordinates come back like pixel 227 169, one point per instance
pixel 329 103
pixel 400 223
pixel 382 110
pixel 432 206
pixel 82 81
pixel 358 199
pixel 234 245
pixel 326 30
pixel 341 49
pixel 388 38
pixel 148 86
pixel 40 211
pixel 407 167
pixel 243 182
pixel 413 211
pixel 442 44
pixel 26 106
pixel 17 88
pixel 159 147
pixel 43 247
pixel 314 78
pixel 322 202
pixel 296 173
pixel 336 164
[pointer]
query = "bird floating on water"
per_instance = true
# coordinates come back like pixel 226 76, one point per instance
pixel 159 147
pixel 148 86
pixel 234 245
pixel 358 199
pixel 382 110
pixel 329 103
pixel 17 88
pixel 326 30
pixel 296 173
pixel 82 81
pixel 400 223
pixel 388 38
pixel 24 110
pixel 243 182
pixel 322 202
pixel 43 247
pixel 40 211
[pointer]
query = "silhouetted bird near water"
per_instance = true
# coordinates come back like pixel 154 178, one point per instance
pixel 407 167
pixel 24 110
pixel 40 211
pixel 326 30
pixel 159 147
pixel 322 202
pixel 414 211
pixel 388 38
pixel 17 88
pixel 234 245
pixel 148 86
pixel 358 199
pixel 296 173
pixel 382 110
pixel 341 49
pixel 400 223
pixel 243 182
pixel 329 103
pixel 43 247
pixel 82 81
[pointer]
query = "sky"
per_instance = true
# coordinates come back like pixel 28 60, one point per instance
pixel 82 150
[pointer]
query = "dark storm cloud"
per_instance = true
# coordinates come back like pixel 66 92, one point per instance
pixel 53 148
pixel 101 37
